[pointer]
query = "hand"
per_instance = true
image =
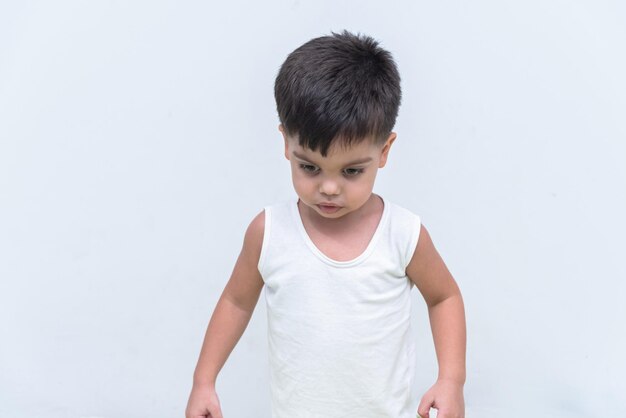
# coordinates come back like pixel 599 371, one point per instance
pixel 446 396
pixel 203 403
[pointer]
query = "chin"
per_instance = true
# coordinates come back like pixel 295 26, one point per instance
pixel 335 215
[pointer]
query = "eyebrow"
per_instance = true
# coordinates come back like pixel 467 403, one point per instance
pixel 359 161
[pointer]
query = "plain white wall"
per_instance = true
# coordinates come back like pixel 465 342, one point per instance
pixel 138 140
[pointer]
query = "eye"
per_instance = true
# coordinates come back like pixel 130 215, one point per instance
pixel 308 168
pixel 352 172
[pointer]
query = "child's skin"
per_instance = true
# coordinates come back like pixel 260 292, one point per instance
pixel 342 233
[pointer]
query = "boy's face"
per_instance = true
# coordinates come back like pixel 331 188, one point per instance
pixel 339 183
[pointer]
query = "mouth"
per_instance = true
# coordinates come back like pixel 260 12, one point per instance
pixel 328 207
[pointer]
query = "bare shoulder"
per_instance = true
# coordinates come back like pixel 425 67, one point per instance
pixel 429 272
pixel 254 233
pixel 425 252
pixel 245 283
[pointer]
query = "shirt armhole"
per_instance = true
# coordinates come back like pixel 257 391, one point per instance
pixel 265 243
pixel 415 228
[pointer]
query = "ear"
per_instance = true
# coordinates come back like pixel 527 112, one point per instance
pixel 281 128
pixel 385 150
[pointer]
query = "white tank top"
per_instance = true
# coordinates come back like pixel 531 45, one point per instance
pixel 340 343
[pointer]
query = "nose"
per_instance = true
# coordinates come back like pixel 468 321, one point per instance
pixel 329 187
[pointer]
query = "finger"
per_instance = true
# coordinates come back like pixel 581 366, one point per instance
pixel 448 414
pixel 196 415
pixel 424 408
pixel 217 413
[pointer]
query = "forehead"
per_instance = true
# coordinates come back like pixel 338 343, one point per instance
pixel 337 154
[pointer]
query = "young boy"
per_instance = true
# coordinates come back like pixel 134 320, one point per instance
pixel 338 263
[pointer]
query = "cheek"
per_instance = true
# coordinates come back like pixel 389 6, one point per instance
pixel 355 190
pixel 365 186
pixel 301 182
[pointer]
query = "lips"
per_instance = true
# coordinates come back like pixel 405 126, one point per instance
pixel 328 207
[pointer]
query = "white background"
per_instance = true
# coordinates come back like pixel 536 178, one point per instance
pixel 138 140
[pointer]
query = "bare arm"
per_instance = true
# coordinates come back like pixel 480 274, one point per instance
pixel 234 308
pixel 447 321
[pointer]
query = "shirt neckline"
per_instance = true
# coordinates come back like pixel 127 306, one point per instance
pixel 336 263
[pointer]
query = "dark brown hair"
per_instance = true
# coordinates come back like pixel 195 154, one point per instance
pixel 342 87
